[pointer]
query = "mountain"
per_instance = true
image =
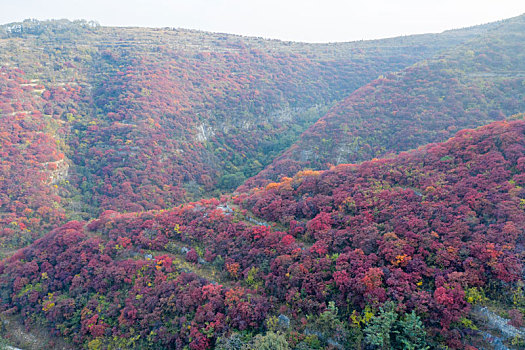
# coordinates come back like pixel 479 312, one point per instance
pixel 134 119
pixel 168 188
pixel 469 85
pixel 435 230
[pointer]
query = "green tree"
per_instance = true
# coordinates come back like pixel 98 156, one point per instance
pixel 411 333
pixel 234 342
pixel 379 329
pixel 270 341
pixel 387 330
pixel 328 327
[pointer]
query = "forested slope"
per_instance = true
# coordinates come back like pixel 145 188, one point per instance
pixel 419 238
pixel 470 85
pixel 111 137
pixel 31 162
pixel 135 119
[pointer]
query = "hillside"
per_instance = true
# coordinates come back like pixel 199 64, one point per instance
pixel 31 163
pixel 135 119
pixel 469 85
pixel 420 238
pixel 164 188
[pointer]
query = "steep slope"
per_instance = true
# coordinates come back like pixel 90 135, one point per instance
pixel 430 231
pixel 470 85
pixel 149 118
pixel 31 164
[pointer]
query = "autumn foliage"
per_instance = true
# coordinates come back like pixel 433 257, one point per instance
pixel 355 228
pixel 408 230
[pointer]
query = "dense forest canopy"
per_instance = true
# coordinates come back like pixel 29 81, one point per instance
pixel 170 188
pixel 469 85
pixel 142 119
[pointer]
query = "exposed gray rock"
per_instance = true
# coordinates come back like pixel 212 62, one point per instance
pixel 256 222
pixel 150 233
pixel 225 208
pixel 335 344
pixel 284 321
pixel 494 340
pixel 499 323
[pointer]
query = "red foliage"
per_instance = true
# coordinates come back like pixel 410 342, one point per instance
pixel 192 256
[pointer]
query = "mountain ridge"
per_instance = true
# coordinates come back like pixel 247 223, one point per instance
pixel 217 116
pixel 444 74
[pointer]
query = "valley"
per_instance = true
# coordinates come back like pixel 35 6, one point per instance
pixel 165 188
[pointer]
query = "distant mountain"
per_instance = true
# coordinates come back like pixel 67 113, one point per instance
pixel 470 85
pixel 134 119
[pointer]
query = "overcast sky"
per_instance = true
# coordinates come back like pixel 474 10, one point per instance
pixel 298 20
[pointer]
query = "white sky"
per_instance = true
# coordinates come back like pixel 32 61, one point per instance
pixel 298 20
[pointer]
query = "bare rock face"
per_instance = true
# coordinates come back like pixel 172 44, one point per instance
pixel 59 172
pixel 500 329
